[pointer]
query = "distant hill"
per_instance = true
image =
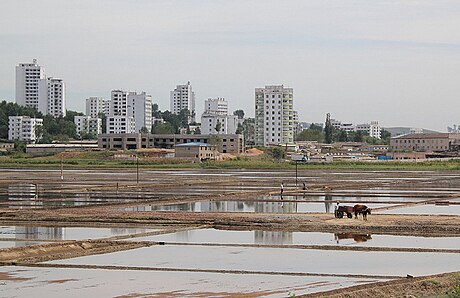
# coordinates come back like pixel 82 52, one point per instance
pixel 401 130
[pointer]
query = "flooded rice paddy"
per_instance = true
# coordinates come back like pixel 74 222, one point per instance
pixel 184 260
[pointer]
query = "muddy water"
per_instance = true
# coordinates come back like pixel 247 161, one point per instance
pixel 51 282
pixel 303 238
pixel 277 260
pixel 64 233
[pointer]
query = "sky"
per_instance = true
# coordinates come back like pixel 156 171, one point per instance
pixel 397 62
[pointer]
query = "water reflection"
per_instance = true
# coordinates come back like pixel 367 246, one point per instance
pixel 328 203
pixel 272 237
pixel 24 195
pixel 45 233
pixel 358 238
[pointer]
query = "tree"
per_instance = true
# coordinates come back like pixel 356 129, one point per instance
pixel 310 135
pixel 277 152
pixel 197 131
pixel 358 136
pixel 343 136
pixel 328 129
pixel 162 128
pixel 239 129
pixel 144 130
pixel 239 113
pixel 215 140
pixel 218 126
pixel 317 127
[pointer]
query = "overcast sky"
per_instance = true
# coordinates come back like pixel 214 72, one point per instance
pixel 393 61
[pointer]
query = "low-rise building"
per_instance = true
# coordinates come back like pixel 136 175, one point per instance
pixel 23 128
pixel 88 125
pixel 196 150
pixel 229 143
pixel 425 142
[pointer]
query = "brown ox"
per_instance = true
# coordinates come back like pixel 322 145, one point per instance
pixel 361 209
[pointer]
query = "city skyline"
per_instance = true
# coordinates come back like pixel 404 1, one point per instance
pixel 392 61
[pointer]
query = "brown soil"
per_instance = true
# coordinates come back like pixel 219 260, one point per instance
pixel 426 286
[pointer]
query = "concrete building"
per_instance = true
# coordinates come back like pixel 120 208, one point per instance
pixel 233 143
pixel 128 112
pixel 372 129
pixel 23 128
pixel 140 108
pixel 218 106
pixel 274 119
pixel 425 142
pixel 196 151
pixel 120 124
pixel 34 89
pixel 28 76
pixel 96 105
pixel 88 125
pixel 216 116
pixel 52 97
pixel 183 98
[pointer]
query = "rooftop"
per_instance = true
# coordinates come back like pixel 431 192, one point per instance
pixel 429 136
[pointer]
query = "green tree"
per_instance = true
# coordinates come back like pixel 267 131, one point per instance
pixel 310 135
pixel 218 126
pixel 277 152
pixel 144 130
pixel 317 127
pixel 343 136
pixel 239 113
pixel 239 129
pixel 215 140
pixel 163 128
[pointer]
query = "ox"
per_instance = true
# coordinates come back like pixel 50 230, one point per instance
pixel 361 209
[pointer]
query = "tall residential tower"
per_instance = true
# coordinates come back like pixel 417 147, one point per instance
pixel 183 98
pixel 28 76
pixel 274 115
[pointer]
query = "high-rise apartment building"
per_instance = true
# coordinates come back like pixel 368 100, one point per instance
pixel 28 76
pixel 140 108
pixel 183 98
pixel 129 112
pixel 274 119
pixel 118 120
pixel 215 119
pixel 23 128
pixel 96 105
pixel 52 97
pixel 34 89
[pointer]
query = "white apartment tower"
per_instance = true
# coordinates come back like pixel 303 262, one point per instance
pixel 28 76
pixel 216 116
pixel 129 112
pixel 96 105
pixel 140 108
pixel 118 120
pixel 23 128
pixel 34 89
pixel 183 98
pixel 274 115
pixel 52 97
